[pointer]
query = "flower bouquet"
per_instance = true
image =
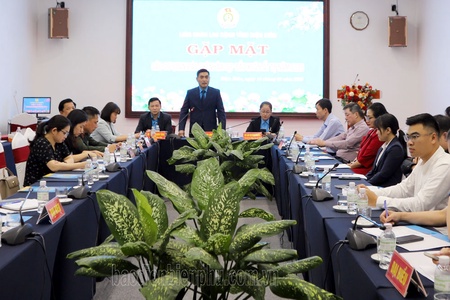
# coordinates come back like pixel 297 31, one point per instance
pixel 359 94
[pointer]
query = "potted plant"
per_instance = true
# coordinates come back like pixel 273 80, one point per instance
pixel 235 157
pixel 203 250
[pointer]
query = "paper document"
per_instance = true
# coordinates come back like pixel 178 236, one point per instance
pixel 424 265
pixel 431 240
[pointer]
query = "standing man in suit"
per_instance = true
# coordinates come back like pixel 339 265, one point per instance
pixel 265 123
pixel 154 117
pixel 204 104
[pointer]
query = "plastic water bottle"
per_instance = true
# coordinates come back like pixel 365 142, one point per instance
pixel 89 178
pixel 153 132
pixel 363 203
pixel 123 153
pixel 157 128
pixel 386 246
pixel 106 156
pixel 310 164
pixel 352 197
pixel 43 195
pixel 442 275
pixel 95 168
pixel 294 151
pixel 326 181
pixel 280 134
pixel 129 139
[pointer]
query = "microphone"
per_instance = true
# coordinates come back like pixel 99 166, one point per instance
pixel 113 167
pixel 174 135
pixel 80 192
pixel 320 194
pixel 359 240
pixel 299 169
pixel 19 234
pixel 290 142
pixel 237 125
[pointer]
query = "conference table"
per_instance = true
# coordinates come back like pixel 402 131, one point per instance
pixel 349 273
pixel 27 272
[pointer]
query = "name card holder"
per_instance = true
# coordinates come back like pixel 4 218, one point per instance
pixel 251 136
pixel 401 274
pixel 209 133
pixel 280 145
pixel 160 135
pixel 53 210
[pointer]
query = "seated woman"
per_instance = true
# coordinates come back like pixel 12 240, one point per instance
pixel 265 122
pixel 386 170
pixel 370 142
pixel 105 131
pixel 48 152
pixel 78 119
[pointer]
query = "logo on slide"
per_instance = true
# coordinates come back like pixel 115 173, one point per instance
pixel 228 17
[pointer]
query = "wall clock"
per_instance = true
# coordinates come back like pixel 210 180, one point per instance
pixel 359 20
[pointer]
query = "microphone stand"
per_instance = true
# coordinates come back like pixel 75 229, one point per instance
pixel 299 169
pixel 290 142
pixel 319 194
pixel 173 135
pixel 359 240
pixel 237 125
pixel 19 234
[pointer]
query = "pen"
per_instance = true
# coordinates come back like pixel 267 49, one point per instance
pixel 385 208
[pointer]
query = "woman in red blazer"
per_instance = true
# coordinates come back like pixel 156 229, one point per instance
pixel 370 143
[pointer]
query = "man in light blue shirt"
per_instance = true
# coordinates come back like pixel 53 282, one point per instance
pixel 331 125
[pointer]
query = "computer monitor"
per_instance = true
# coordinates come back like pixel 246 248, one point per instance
pixel 37 105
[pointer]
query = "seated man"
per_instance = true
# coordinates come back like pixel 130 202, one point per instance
pixel 444 126
pixel 428 185
pixel 331 126
pixel 347 143
pixel 85 141
pixel 66 106
pixel 154 117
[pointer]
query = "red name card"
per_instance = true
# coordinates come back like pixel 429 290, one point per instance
pixel 252 136
pixel 53 210
pixel 400 273
pixel 160 135
pixel 280 145
pixel 209 133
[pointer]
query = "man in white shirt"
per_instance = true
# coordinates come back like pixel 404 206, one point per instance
pixel 347 143
pixel 331 126
pixel 428 186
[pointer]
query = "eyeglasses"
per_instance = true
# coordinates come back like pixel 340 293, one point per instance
pixel 415 136
pixel 66 133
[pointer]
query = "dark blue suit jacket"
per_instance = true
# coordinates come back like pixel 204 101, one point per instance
pixel 204 111
pixel 255 125
pixel 145 122
pixel 388 172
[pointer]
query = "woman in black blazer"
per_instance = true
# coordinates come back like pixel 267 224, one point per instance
pixel 386 169
pixel 265 122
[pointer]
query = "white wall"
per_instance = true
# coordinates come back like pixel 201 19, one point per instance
pixel 90 66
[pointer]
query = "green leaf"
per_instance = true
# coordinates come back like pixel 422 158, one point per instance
pixel 238 154
pixel 257 213
pixel 218 244
pixel 185 169
pixel 271 255
pixel 145 212
pixel 299 266
pixel 295 288
pixel 193 143
pixel 90 273
pixel 199 254
pixel 189 214
pixel 251 234
pixel 266 146
pixel 217 147
pixel 249 178
pixel 121 216
pixel 188 234
pixel 206 181
pixel 221 214
pixel 111 265
pixel 180 199
pixel 159 212
pixel 251 285
pixel 200 136
pixel 184 154
pixel 111 249
pixel 165 287
pixel 261 189
pixel 136 249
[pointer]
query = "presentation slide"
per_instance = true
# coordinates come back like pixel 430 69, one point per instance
pixel 255 51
